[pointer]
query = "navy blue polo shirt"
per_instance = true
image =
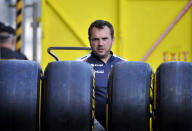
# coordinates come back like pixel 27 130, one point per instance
pixel 6 53
pixel 101 76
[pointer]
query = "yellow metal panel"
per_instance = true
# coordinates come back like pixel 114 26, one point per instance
pixel 145 21
pixel 138 25
pixel 65 23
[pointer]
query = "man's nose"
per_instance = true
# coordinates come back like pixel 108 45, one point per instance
pixel 100 42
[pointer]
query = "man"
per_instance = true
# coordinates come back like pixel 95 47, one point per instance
pixel 7 43
pixel 101 38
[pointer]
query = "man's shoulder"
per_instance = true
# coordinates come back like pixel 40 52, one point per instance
pixel 118 58
pixel 10 54
pixel 84 58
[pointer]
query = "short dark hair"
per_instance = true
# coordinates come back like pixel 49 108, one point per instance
pixel 101 24
pixel 1 25
pixel 7 29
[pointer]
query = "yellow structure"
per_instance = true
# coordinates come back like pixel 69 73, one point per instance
pixel 138 25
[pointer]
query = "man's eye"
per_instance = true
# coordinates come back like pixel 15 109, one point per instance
pixel 94 39
pixel 105 38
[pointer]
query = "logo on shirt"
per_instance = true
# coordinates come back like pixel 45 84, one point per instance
pixel 99 71
pixel 96 65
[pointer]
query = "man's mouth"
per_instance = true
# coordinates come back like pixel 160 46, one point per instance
pixel 100 49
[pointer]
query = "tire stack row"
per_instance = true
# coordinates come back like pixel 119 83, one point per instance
pixel 141 101
pixel 173 107
pixel 62 98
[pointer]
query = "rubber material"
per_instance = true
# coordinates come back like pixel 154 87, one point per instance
pixel 174 97
pixel 129 97
pixel 19 95
pixel 68 95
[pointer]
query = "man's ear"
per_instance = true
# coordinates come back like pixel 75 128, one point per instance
pixel 113 39
pixel 90 42
pixel 13 42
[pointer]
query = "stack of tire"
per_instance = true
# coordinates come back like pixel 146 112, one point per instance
pixel 135 97
pixel 19 95
pixel 173 102
pixel 129 97
pixel 68 97
pixel 65 99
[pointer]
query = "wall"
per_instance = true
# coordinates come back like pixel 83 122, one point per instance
pixel 138 25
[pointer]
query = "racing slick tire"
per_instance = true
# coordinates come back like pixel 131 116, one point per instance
pixel 129 97
pixel 19 95
pixel 174 97
pixel 68 97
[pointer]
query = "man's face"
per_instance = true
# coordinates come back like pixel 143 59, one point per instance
pixel 7 40
pixel 101 41
pixel 4 37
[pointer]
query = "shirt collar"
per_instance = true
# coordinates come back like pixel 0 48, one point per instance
pixel 96 57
